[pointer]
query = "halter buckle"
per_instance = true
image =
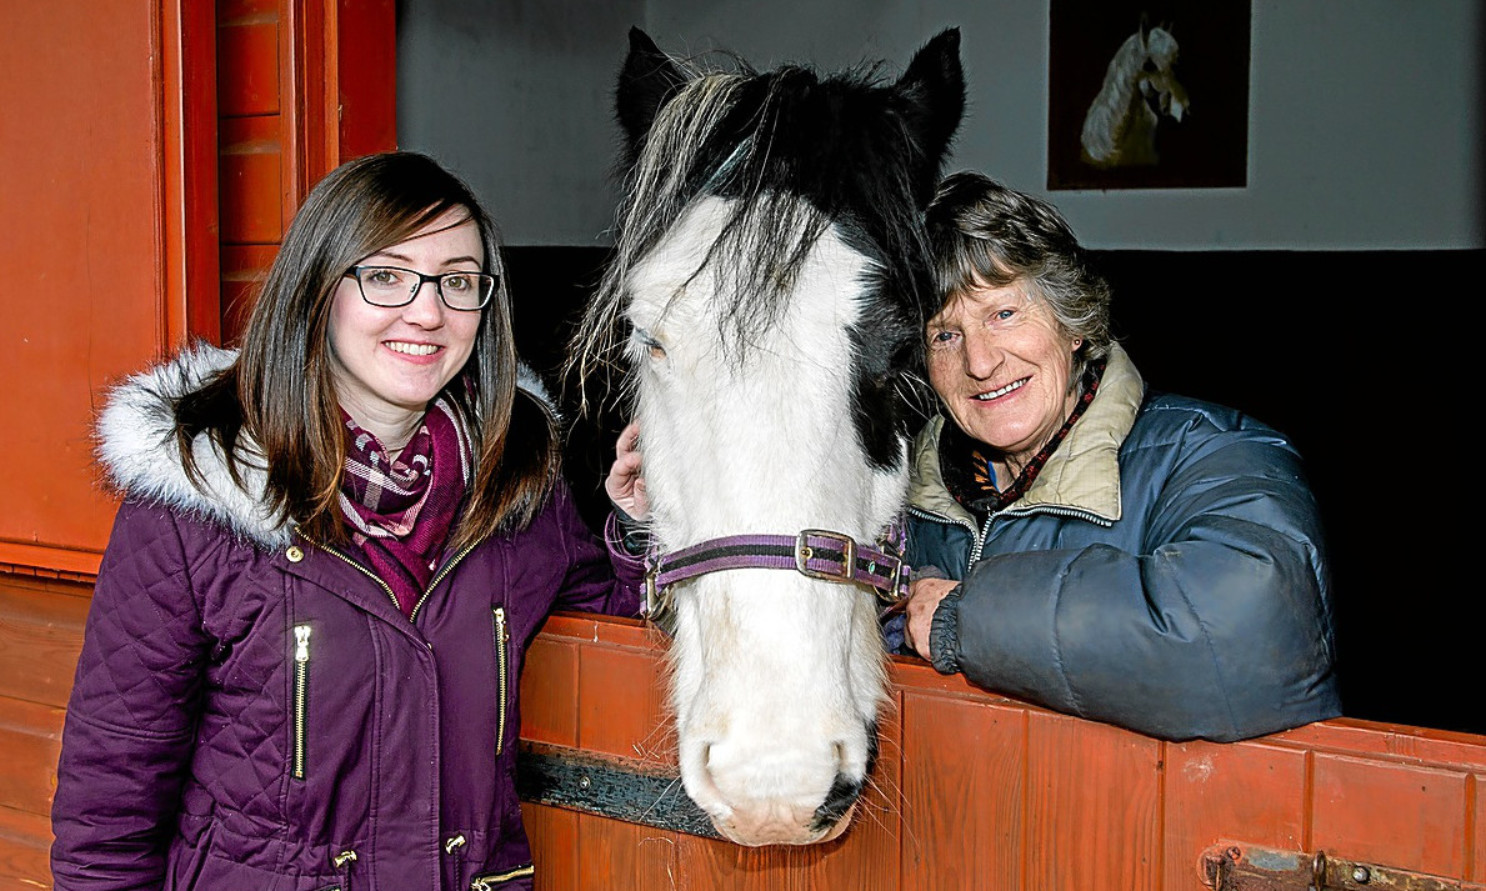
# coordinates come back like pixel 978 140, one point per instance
pixel 804 553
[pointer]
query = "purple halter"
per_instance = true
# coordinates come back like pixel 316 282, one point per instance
pixel 817 553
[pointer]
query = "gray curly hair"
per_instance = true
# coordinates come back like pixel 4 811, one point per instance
pixel 983 233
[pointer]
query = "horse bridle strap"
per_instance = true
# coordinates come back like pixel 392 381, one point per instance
pixel 817 553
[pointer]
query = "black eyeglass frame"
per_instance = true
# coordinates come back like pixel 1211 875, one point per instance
pixel 354 273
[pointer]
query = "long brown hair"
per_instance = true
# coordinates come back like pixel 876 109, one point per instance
pixel 280 392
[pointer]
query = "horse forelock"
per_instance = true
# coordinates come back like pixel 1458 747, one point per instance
pixel 795 154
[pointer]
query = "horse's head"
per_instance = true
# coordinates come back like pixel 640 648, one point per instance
pixel 769 286
pixel 1163 92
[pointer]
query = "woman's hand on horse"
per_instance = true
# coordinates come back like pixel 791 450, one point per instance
pixel 625 484
pixel 923 599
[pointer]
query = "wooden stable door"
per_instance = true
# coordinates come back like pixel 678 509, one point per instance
pixel 978 792
pixel 133 134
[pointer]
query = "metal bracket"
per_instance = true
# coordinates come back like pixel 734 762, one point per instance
pixel 1235 866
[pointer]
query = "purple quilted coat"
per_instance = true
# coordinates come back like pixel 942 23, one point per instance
pixel 252 711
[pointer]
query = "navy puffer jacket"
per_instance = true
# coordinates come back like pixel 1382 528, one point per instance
pixel 1165 572
pixel 252 710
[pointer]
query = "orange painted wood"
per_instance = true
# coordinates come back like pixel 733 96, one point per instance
pixel 244 268
pixel 41 632
pixel 1211 789
pixel 1477 869
pixel 612 854
pixel 1082 779
pixel 554 845
pixel 366 63
pixel 25 846
pixel 189 91
pixel 975 794
pixel 551 667
pixel 31 738
pixel 708 863
pixel 1409 816
pixel 248 66
pixel 251 182
pixel 981 790
pixel 621 692
pixel 86 233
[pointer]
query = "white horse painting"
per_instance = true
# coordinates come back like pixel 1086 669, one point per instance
pixel 1140 87
pixel 768 292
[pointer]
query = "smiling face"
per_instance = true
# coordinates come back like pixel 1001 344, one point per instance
pixel 388 363
pixel 1002 367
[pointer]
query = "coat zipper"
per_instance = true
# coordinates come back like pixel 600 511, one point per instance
pixel 502 634
pixel 343 862
pixel 980 536
pixel 439 577
pixel 301 693
pixel 433 583
pixel 488 881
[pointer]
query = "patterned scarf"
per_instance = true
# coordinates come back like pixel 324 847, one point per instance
pixel 965 461
pixel 400 511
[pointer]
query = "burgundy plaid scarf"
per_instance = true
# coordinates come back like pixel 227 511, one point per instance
pixel 965 461
pixel 400 511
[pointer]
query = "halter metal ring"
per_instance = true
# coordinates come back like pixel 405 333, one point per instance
pixel 803 553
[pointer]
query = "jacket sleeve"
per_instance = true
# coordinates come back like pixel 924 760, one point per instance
pixel 601 577
pixel 1218 627
pixel 127 742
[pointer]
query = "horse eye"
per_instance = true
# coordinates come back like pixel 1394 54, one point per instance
pixel 657 352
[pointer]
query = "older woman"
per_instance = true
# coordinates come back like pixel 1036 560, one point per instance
pixel 1087 544
pixel 300 667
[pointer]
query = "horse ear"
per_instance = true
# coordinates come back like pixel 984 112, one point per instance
pixel 646 83
pixel 934 85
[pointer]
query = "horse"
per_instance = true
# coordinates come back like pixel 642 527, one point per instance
pixel 1140 86
pixel 765 301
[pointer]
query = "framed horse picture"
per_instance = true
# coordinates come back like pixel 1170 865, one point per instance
pixel 1148 94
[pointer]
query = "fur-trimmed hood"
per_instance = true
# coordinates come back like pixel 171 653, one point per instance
pixel 137 450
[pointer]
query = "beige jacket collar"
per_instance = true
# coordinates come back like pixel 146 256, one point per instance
pixel 1083 474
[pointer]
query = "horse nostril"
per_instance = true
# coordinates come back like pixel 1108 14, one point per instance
pixel 844 793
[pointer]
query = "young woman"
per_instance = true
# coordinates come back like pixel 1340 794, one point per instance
pixel 300 668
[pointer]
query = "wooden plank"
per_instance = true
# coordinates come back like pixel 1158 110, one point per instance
pixel 621 704
pixel 549 692
pixel 25 850
pixel 868 855
pixel 963 778
pixel 41 634
pixel 366 77
pixel 251 183
pixel 1093 806
pixel 1400 815
pixel 31 738
pixel 248 66
pixel 702 863
pixel 1252 792
pixel 554 845
pixel 244 268
pixel 1476 872
pixel 85 235
pixel 618 856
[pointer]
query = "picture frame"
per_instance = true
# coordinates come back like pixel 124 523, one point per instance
pixel 1148 94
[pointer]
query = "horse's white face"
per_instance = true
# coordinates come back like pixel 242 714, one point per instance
pixel 777 678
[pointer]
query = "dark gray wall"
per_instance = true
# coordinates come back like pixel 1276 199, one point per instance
pixel 1365 122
